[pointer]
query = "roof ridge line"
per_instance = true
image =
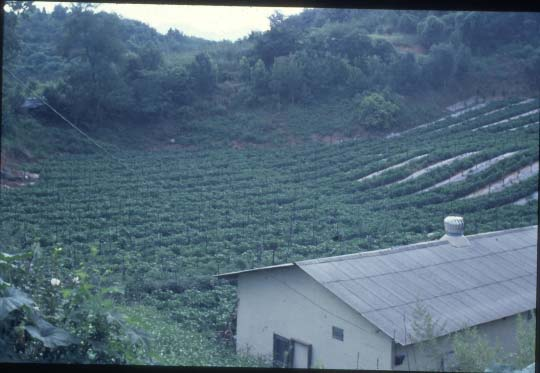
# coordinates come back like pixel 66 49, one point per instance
pixel 385 251
pixel 495 233
pixel 374 253
pixel 427 265
pixel 408 247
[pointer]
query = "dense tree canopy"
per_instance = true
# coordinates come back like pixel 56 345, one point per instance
pixel 98 67
pixel 377 113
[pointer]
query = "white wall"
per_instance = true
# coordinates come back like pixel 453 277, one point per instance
pixel 282 301
pixel 502 330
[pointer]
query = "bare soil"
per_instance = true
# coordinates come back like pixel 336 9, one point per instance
pixel 470 171
pixel 434 166
pixel 391 167
pixel 509 180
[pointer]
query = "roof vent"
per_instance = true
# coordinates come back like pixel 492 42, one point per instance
pixel 454 228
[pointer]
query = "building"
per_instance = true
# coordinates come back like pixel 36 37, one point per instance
pixel 31 103
pixel 361 311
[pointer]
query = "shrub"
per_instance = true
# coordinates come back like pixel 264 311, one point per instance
pixel 526 342
pixel 377 113
pixel 473 352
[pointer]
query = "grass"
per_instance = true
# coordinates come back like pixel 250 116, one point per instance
pixel 408 42
pixel 174 344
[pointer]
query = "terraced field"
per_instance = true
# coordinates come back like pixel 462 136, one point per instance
pixel 172 219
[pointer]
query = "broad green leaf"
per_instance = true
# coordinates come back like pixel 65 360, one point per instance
pixel 113 290
pixel 13 257
pixel 50 335
pixel 94 250
pixel 66 293
pixel 13 299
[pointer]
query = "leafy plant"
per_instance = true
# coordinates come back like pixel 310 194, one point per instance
pixel 526 341
pixel 473 352
pixel 425 331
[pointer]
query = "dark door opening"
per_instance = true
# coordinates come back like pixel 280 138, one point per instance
pixel 291 353
pixel 282 352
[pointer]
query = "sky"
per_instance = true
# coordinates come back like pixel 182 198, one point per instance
pixel 209 22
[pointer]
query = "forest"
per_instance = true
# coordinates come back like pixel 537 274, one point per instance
pixel 383 69
pixel 328 134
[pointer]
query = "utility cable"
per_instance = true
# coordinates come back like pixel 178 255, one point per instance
pixel 324 309
pixel 42 99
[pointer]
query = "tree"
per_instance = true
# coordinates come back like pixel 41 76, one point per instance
pixel 259 78
pixel 473 352
pixel 245 69
pixel 357 80
pixel 384 50
pixel 175 84
pixel 287 79
pixel 440 65
pixel 93 42
pixel 532 70
pixel 341 40
pixel 276 19
pixel 278 41
pixel 407 23
pixel 406 74
pixel 11 45
pixel 203 74
pixel 150 56
pixel 462 60
pixel 431 31
pixel 425 330
pixel 59 12
pixel 377 113
pixel 323 72
pixel 526 341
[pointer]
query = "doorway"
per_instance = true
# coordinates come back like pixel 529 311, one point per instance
pixel 301 354
pixel 291 353
pixel 281 355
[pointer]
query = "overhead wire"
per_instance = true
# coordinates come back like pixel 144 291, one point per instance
pixel 44 101
pixel 323 308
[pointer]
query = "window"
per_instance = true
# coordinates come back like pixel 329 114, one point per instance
pixel 281 352
pixel 398 359
pixel 337 333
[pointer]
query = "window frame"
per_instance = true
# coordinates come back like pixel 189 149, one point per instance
pixel 338 333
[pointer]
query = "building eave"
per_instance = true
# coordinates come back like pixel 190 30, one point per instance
pixel 232 275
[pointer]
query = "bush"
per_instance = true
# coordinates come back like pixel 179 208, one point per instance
pixel 526 342
pixel 473 352
pixel 377 113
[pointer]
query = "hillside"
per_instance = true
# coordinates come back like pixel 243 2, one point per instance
pixel 337 73
pixel 286 145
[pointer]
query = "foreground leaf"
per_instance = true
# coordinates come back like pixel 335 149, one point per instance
pixel 13 300
pixel 50 335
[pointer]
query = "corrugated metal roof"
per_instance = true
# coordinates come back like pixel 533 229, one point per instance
pixel 494 277
pixel 234 274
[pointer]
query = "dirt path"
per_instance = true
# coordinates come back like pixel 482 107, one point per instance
pixel 469 172
pixel 493 111
pixel 525 200
pixel 531 112
pixel 397 134
pixel 434 166
pixel 392 167
pixel 509 180
pixel 521 127
pixel 14 178
pixel 475 107
pixel 457 114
